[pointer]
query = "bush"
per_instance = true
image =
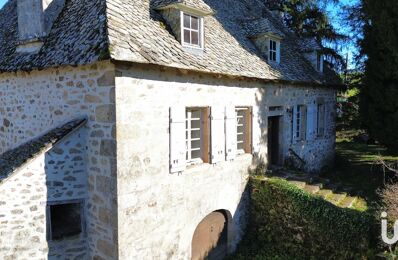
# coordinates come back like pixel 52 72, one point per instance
pixel 288 223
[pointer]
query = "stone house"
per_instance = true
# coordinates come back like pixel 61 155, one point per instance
pixel 127 128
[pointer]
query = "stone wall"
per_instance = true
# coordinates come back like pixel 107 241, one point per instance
pixel 36 102
pixel 158 211
pixel 56 175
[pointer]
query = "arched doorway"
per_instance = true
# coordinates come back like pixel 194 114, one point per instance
pixel 210 239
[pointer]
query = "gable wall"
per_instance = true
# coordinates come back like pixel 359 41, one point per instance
pixel 53 176
pixel 158 211
pixel 36 102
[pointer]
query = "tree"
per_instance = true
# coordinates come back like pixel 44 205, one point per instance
pixel 379 95
pixel 308 18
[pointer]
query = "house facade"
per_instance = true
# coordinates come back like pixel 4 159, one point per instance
pixel 128 127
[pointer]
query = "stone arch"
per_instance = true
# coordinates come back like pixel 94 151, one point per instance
pixel 212 236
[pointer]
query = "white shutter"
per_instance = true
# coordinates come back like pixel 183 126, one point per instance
pixel 177 139
pixel 294 137
pixel 217 134
pixel 230 133
pixel 278 51
pixel 256 130
pixel 311 122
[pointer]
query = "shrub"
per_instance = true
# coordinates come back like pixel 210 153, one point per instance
pixel 288 223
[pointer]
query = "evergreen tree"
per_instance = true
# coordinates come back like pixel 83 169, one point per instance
pixel 308 18
pixel 379 95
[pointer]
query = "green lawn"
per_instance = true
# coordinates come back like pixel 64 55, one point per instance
pixel 357 167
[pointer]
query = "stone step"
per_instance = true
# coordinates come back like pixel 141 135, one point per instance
pixel 324 193
pixel 348 202
pixel 298 184
pixel 312 188
pixel 336 198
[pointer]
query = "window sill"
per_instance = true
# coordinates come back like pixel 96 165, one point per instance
pixel 193 49
pixel 203 167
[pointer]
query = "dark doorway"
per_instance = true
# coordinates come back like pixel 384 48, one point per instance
pixel 210 238
pixel 273 140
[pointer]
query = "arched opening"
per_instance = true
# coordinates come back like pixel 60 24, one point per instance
pixel 210 239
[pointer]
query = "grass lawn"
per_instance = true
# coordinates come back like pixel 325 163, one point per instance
pixel 357 168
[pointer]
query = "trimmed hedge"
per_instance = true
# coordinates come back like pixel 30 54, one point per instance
pixel 288 223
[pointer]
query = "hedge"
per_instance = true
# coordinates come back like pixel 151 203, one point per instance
pixel 288 223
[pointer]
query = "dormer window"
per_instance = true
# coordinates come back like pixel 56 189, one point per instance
pixel 319 62
pixel 274 50
pixel 191 31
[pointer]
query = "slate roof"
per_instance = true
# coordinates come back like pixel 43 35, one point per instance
pixel 77 37
pixel 261 26
pixel 15 158
pixel 134 31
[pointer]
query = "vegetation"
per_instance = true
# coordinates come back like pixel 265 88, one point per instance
pixel 308 18
pixel 288 223
pixel 379 109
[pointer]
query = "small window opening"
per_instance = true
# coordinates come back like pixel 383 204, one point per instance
pixel 272 50
pixel 191 35
pixel 197 135
pixel 65 220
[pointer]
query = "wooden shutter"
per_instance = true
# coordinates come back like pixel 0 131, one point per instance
pixel 177 139
pixel 311 122
pixel 217 134
pixel 256 130
pixel 230 133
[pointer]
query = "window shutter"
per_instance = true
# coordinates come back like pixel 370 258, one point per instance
pixel 278 51
pixel 311 122
pixel 177 139
pixel 256 130
pixel 217 134
pixel 230 133
pixel 294 137
pixel 303 122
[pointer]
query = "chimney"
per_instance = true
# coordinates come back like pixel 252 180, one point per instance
pixel 33 23
pixel 31 19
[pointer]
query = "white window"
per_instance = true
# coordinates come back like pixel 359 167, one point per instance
pixel 321 112
pixel 193 134
pixel 299 122
pixel 196 135
pixel 192 30
pixel 243 130
pixel 319 62
pixel 274 50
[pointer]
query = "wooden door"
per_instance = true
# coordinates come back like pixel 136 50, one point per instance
pixel 210 238
pixel 273 140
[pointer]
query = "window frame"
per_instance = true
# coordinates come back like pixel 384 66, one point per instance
pixel 204 131
pixel 274 53
pixel 200 31
pixel 247 126
pixel 64 202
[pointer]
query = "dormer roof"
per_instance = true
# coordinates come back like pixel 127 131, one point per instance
pixel 261 26
pixel 196 6
pixel 309 45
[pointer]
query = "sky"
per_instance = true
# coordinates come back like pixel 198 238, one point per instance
pixel 2 2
